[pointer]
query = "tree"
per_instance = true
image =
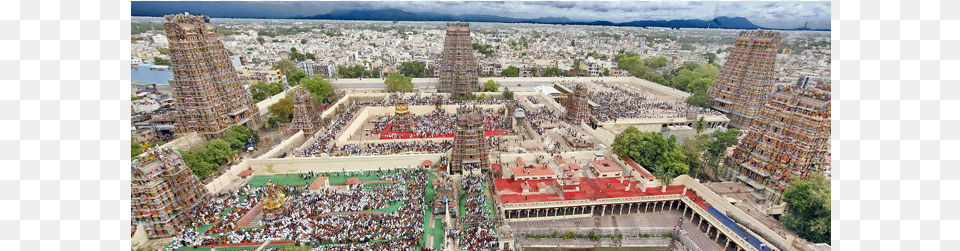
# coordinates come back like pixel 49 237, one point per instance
pixel 700 125
pixel 283 109
pixel 809 211
pixel 218 152
pixel 633 65
pixel 665 177
pixel 317 86
pixel 310 56
pixel 261 40
pixel 511 71
pixel 606 71
pixel 553 72
pixel 700 99
pixel 659 62
pixel 160 61
pixel 238 136
pixel 687 47
pixel 651 149
pixel 533 71
pixel 398 83
pixel 303 41
pixel 711 57
pixel 286 66
pixel 507 94
pixel 654 77
pixel 134 148
pixel 413 69
pixel 295 77
pixel 491 86
pixel 164 51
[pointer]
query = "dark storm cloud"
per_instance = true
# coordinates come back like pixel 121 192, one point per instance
pixel 767 14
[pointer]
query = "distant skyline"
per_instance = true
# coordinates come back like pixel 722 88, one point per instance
pixel 780 15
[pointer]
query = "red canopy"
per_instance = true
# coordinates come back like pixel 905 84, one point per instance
pixel 245 173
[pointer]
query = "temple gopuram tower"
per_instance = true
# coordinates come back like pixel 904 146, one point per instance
pixel 578 108
pixel 469 149
pixel 746 79
pixel 209 95
pixel 304 111
pixel 162 188
pixel 790 139
pixel 458 65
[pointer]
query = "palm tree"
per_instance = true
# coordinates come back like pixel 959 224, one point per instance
pixel 665 177
pixel 700 125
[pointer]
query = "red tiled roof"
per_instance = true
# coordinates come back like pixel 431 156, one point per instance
pixel 245 173
pixel 568 173
pixel 318 183
pixel 353 181
pixel 589 189
pixel 643 171
pixel 519 171
pixel 520 162
pixel 575 166
pixel 559 159
pixel 606 166
pixel 495 167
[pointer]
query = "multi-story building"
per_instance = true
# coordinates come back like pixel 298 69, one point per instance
pixel 746 77
pixel 789 139
pixel 578 108
pixel 469 150
pixel 209 95
pixel 160 40
pixel 307 66
pixel 253 75
pixel 458 68
pixel 162 189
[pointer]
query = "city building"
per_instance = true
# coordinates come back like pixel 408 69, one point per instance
pixel 741 88
pixel 160 40
pixel 208 92
pixel 307 67
pixel 469 150
pixel 458 68
pixel 162 189
pixel 790 139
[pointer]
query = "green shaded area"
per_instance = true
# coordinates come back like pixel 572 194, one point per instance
pixel 438 229
pixel 428 197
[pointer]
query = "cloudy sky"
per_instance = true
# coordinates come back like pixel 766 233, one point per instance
pixel 766 14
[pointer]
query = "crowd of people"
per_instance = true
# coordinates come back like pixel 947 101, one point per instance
pixel 541 116
pixel 306 218
pixel 480 235
pixel 428 125
pixel 622 103
pixel 391 147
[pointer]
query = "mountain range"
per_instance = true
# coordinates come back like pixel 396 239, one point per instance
pixel 401 15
